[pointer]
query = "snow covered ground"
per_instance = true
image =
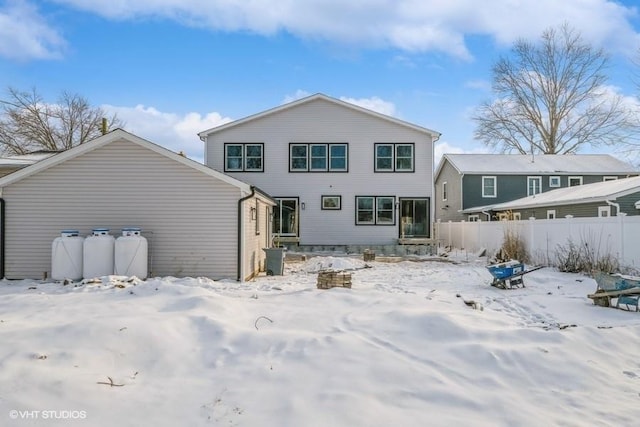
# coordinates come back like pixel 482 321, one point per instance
pixel 400 348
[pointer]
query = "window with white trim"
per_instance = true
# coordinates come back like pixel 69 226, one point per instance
pixel 394 157
pixel 551 214
pixel 554 181
pixel 534 185
pixel 489 186
pixel 375 210
pixel 604 211
pixel 444 191
pixel 575 180
pixel 318 157
pixel 474 218
pixel 245 157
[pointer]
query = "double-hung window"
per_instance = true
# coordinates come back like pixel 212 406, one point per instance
pixel 245 157
pixel 394 157
pixel 318 157
pixel 534 185
pixel 489 186
pixel 375 210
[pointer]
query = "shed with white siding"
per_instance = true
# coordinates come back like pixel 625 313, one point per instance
pixel 198 221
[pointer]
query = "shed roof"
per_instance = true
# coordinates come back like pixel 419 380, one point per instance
pixel 117 135
pixel 519 164
pixel 24 159
pixel 596 192
pixel 317 96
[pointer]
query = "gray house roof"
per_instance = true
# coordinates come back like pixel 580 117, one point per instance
pixel 596 192
pixel 311 98
pixel 521 164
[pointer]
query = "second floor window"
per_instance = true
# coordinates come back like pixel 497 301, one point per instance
pixel 243 157
pixel 394 158
pixel 534 185
pixel 318 158
pixel 489 186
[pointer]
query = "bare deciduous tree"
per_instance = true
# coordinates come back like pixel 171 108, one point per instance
pixel 29 124
pixel 552 98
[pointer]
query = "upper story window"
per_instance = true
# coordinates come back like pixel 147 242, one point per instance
pixel 318 157
pixel 394 157
pixel 575 180
pixel 554 181
pixel 534 185
pixel 246 157
pixel 371 210
pixel 489 187
pixel 444 191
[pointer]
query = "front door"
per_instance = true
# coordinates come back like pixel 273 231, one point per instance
pixel 414 218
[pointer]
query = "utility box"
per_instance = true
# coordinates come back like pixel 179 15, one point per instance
pixel 275 261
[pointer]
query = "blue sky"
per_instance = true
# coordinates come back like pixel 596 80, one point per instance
pixel 172 68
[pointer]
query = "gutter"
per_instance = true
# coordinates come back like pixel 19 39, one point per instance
pixel 240 234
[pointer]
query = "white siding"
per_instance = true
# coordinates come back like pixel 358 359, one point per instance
pixel 326 122
pixel 190 218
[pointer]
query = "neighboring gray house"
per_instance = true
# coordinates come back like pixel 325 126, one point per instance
pixel 341 174
pixel 198 221
pixel 600 199
pixel 467 185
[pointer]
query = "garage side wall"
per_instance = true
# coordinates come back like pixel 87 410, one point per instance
pixel 257 235
pixel 189 218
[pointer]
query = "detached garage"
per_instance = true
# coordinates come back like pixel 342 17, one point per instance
pixel 197 221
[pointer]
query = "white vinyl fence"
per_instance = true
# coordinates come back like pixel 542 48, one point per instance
pixel 618 236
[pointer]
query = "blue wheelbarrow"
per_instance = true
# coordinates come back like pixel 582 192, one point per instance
pixel 508 275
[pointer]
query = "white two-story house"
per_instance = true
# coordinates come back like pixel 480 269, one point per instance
pixel 341 174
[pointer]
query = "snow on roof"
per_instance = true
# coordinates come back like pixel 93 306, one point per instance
pixel 25 159
pixel 599 191
pixel 583 164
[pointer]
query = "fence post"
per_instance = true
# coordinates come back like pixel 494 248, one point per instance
pixel 621 215
pixel 463 227
pixel 450 225
pixel 532 235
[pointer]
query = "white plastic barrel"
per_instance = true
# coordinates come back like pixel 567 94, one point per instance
pixel 66 256
pixel 98 254
pixel 131 254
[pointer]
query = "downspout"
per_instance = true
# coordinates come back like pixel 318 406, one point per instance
pixel 432 201
pixel 240 232
pixel 488 214
pixel 615 205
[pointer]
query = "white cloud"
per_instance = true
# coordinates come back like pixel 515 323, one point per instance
pixel 410 25
pixel 298 95
pixel 25 35
pixel 173 131
pixel 443 147
pixel 374 104
pixel 482 85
